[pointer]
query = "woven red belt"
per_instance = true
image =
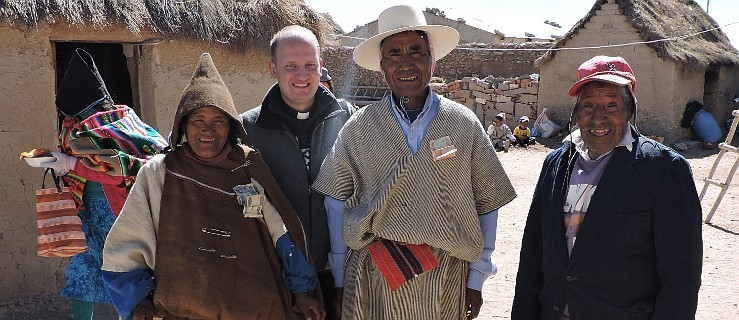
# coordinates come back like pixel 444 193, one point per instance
pixel 400 262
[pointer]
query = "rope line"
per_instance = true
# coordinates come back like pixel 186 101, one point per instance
pixel 577 48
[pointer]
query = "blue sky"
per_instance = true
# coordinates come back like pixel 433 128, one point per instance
pixel 512 17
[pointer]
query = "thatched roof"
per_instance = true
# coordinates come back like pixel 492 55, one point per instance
pixel 243 24
pixel 659 19
pixel 333 26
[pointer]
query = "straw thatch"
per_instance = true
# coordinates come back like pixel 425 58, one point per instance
pixel 659 19
pixel 333 26
pixel 243 24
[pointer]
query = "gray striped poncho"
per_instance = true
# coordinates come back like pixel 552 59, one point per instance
pixel 393 194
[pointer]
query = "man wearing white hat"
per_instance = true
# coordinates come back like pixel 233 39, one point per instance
pixel 413 187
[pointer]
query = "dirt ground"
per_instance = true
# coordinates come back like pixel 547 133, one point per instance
pixel 719 294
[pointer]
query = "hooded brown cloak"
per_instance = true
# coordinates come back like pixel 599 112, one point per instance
pixel 211 262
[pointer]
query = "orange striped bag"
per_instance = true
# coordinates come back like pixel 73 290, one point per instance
pixel 59 227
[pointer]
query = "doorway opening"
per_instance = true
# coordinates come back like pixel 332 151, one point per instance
pixel 711 90
pixel 111 62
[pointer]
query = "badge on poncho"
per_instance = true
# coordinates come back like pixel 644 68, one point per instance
pixel 443 148
pixel 249 197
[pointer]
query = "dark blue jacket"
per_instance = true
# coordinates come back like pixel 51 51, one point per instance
pixel 281 151
pixel 638 253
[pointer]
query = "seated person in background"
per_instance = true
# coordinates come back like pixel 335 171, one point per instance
pixel 226 242
pixel 500 134
pixel 522 133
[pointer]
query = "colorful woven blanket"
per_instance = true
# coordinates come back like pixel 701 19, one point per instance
pixel 116 142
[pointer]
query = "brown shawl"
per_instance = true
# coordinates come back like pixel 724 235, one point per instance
pixel 211 262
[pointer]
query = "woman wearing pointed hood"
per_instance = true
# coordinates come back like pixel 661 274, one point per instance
pixel 226 242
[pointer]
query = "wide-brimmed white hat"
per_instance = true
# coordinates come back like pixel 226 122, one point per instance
pixel 401 18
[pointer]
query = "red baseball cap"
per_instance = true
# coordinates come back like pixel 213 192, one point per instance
pixel 613 70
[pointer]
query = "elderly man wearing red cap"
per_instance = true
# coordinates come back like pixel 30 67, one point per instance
pixel 614 229
pixel 413 186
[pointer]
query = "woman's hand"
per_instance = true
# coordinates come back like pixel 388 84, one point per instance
pixel 63 164
pixel 145 310
pixel 309 306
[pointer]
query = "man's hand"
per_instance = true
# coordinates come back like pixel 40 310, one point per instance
pixel 473 302
pixel 337 303
pixel 309 306
pixel 145 310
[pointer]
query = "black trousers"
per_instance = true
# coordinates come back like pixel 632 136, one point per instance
pixel 328 289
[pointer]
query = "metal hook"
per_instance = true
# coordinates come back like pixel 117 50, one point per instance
pixel 216 232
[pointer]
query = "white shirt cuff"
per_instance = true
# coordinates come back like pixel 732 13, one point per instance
pixel 475 279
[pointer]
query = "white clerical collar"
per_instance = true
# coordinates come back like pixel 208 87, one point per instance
pixel 303 115
pixel 576 138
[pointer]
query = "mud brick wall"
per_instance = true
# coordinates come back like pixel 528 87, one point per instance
pixel 516 97
pixel 470 60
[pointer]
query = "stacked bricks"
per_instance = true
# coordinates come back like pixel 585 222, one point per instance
pixel 487 97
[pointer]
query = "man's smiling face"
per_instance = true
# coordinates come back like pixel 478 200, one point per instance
pixel 297 68
pixel 602 116
pixel 406 62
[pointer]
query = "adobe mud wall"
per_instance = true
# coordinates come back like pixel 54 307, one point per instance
pixel 472 60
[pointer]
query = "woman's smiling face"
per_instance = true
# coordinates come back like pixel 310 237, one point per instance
pixel 207 131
